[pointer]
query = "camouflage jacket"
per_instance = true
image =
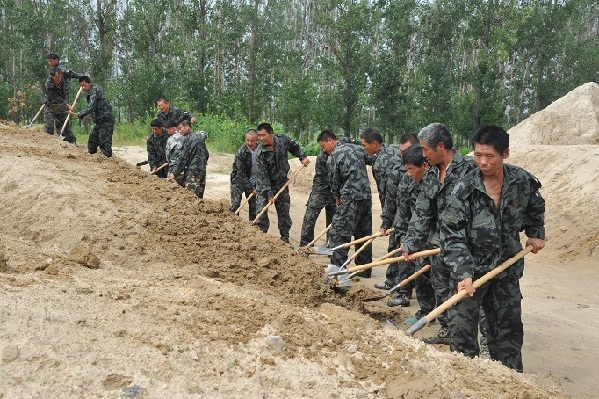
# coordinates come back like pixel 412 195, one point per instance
pixel 97 105
pixel 320 183
pixel 156 148
pixel 347 173
pixel 385 160
pixel 174 114
pixel 407 195
pixel 476 235
pixel 243 166
pixel 57 95
pixel 272 165
pixel 393 196
pixel 173 151
pixel 193 156
pixel 433 197
pixel 68 74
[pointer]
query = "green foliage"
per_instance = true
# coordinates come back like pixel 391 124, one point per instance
pixel 224 135
pixel 307 65
pixel 311 148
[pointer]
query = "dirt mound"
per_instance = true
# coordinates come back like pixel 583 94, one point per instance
pixel 568 175
pixel 116 283
pixel 572 119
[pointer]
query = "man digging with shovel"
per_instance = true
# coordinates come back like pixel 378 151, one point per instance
pixel 479 228
pixel 351 189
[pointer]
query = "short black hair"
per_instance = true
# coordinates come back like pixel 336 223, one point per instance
pixel 325 135
pixel 265 126
pixel 184 122
pixel 409 138
pixel 157 123
pixel 85 79
pixel 494 136
pixel 372 134
pixel 55 70
pixel 163 99
pixel 413 155
pixel 52 56
pixel 170 123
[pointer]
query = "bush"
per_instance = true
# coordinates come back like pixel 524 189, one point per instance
pixel 224 135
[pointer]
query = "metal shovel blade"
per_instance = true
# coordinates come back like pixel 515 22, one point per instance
pixel 323 250
pixel 334 270
pixel 27 126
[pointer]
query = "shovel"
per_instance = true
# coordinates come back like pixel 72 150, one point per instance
pixel 330 269
pixel 69 115
pixel 34 118
pixel 158 169
pixel 307 249
pixel 356 269
pixel 403 283
pixel 244 202
pixel 277 194
pixel 324 250
pixel 462 293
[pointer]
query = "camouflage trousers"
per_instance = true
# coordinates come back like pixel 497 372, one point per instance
pixel 236 194
pixel 440 282
pixel 55 121
pixel 396 272
pixel 313 208
pixel 282 205
pixel 501 301
pixel 195 185
pixel 425 295
pixel 101 137
pixel 352 218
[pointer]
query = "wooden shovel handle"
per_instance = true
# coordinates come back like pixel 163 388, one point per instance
pixel 415 275
pixel 319 235
pixel 38 113
pixel 363 239
pixel 362 248
pixel 69 115
pixel 388 261
pixel 158 169
pixel 277 194
pixel 245 201
pixel 389 254
pixel 462 293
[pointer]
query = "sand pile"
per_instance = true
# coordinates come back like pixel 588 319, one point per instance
pixel 117 284
pixel 572 119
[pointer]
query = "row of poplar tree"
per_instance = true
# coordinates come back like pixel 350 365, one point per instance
pixel 309 64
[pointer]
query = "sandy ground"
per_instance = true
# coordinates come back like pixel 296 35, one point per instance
pixel 561 313
pixel 118 284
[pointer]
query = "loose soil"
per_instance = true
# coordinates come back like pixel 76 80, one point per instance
pixel 118 284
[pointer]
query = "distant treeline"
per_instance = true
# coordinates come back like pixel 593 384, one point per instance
pixel 308 65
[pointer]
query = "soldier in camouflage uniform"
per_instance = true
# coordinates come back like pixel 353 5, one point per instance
pixel 101 112
pixel 446 167
pixel 272 167
pixel 156 147
pixel 385 160
pixel 173 151
pixel 243 175
pixel 396 272
pixel 192 160
pixel 408 193
pixel 49 116
pixel 169 112
pixel 57 100
pixel 351 189
pixel 480 229
pixel 320 197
